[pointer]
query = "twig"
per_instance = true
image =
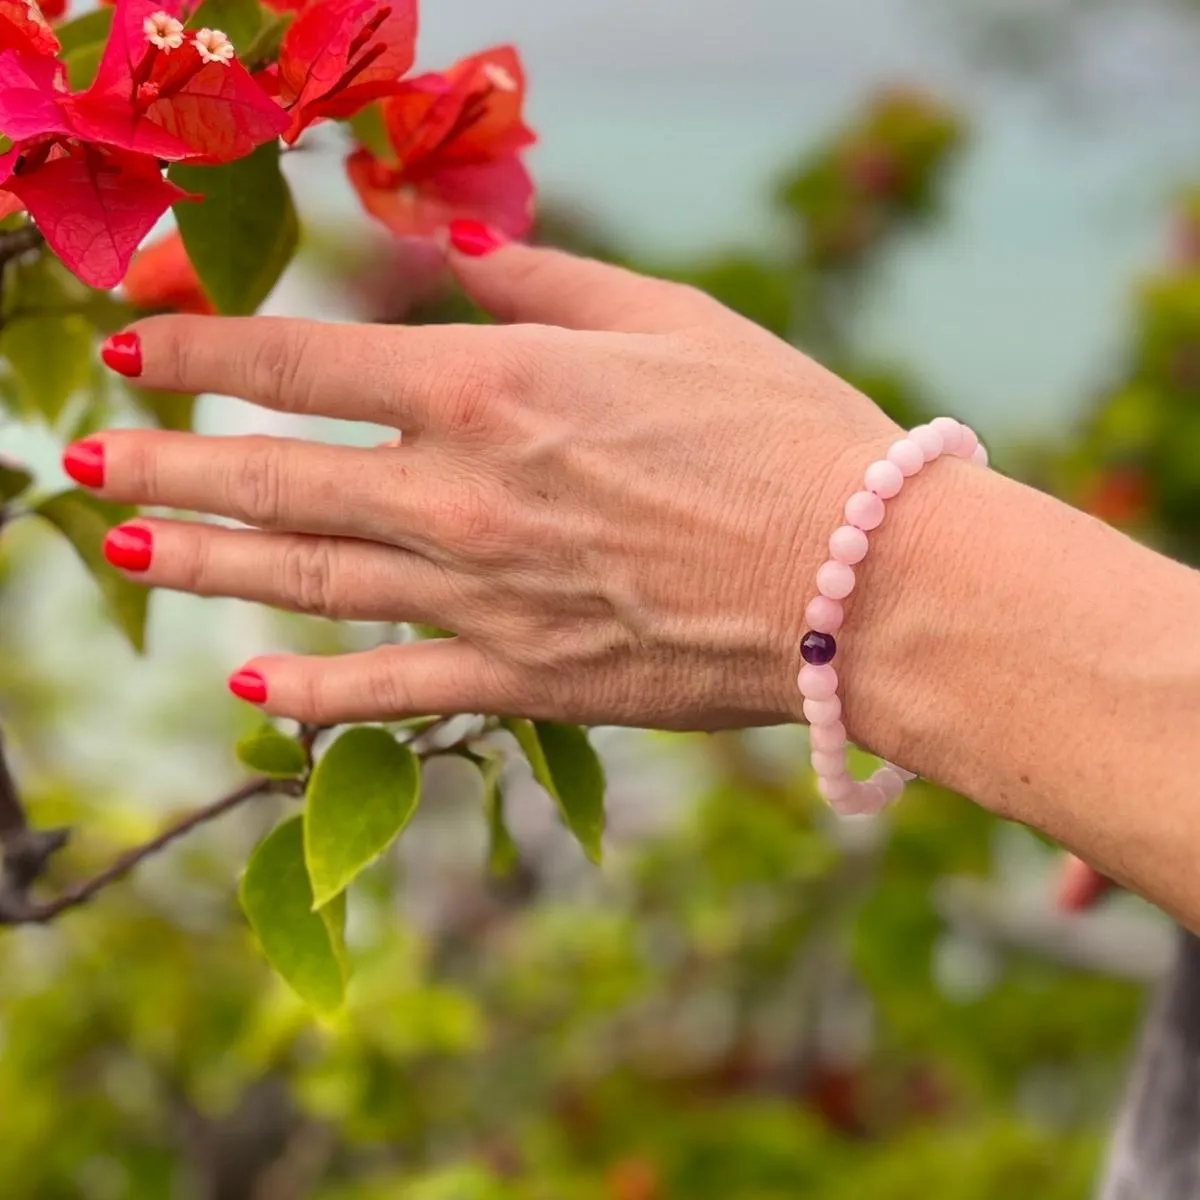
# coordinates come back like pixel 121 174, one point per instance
pixel 36 913
pixel 12 815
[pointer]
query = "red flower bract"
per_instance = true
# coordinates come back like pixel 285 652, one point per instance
pixel 93 204
pixel 161 276
pixel 456 140
pixel 339 55
pixel 24 28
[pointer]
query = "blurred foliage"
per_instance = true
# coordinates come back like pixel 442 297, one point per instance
pixel 752 1000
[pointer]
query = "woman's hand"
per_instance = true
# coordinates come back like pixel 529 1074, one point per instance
pixel 617 502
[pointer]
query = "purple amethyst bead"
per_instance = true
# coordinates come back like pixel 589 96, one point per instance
pixel 818 649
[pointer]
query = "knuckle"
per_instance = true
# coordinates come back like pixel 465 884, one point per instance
pixel 387 690
pixel 468 521
pixel 470 396
pixel 307 573
pixel 256 484
pixel 277 367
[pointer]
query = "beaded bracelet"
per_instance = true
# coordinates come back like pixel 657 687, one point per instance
pixel 818 681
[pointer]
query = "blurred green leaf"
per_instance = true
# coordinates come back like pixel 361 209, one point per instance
pixel 243 233
pixel 47 377
pixel 364 791
pixel 370 132
pixel 14 479
pixel 270 752
pixel 83 521
pixel 502 850
pixel 170 410
pixel 307 948
pixel 91 28
pixel 240 20
pixel 565 764
pixel 82 63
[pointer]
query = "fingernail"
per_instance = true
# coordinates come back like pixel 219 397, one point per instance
pixel 474 238
pixel 129 547
pixel 123 353
pixel 249 686
pixel 84 462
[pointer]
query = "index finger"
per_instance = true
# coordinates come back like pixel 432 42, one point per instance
pixel 392 375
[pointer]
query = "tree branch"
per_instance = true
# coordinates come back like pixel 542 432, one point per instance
pixel 25 912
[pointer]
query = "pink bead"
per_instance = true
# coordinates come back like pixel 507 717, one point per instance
pixel 829 765
pixel 884 478
pixel 906 776
pixel 817 683
pixel 823 712
pixel 980 457
pixel 834 791
pixel 907 455
pixel 869 800
pixel 889 783
pixel 829 738
pixel 928 439
pixel 835 580
pixel 951 432
pixel 970 442
pixel 824 615
pixel 864 510
pixel 848 544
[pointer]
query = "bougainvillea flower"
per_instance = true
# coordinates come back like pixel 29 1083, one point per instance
pixel 53 10
pixel 456 140
pixel 171 92
pixel 339 55
pixel 24 28
pixel 93 204
pixel 161 277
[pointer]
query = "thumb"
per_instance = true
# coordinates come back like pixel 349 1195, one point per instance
pixel 535 285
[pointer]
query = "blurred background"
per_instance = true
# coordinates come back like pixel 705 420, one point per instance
pixel 968 206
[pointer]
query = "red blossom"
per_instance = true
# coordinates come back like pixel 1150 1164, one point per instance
pixel 456 140
pixel 93 204
pixel 339 55
pixel 24 28
pixel 53 10
pixel 161 276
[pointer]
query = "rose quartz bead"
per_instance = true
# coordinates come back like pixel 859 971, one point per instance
pixel 967 446
pixel 864 510
pixel 928 439
pixel 884 478
pixel 907 455
pixel 848 544
pixel 829 765
pixel 869 799
pixel 980 457
pixel 835 580
pixel 889 783
pixel 817 683
pixel 830 738
pixel 906 776
pixel 824 615
pixel 951 432
pixel 834 791
pixel 823 712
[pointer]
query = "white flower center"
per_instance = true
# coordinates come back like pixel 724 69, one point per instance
pixel 499 78
pixel 164 31
pixel 214 46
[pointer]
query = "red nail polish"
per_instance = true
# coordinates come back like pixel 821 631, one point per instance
pixel 129 547
pixel 249 686
pixel 84 462
pixel 123 353
pixel 474 238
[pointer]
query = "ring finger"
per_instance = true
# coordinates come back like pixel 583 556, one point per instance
pixel 329 577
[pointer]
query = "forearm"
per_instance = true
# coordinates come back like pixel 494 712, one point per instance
pixel 1041 663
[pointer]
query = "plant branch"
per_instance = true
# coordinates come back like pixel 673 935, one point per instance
pixel 26 912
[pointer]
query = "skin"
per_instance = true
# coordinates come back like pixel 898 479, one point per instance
pixel 618 499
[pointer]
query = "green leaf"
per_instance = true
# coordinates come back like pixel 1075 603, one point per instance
pixel 14 479
pixel 264 49
pixel 240 20
pixel 82 65
pixel 362 794
pixel 51 357
pixel 83 521
pixel 565 764
pixel 243 233
pixel 88 29
pixel 270 752
pixel 170 410
pixel 502 850
pixel 307 948
pixel 371 133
